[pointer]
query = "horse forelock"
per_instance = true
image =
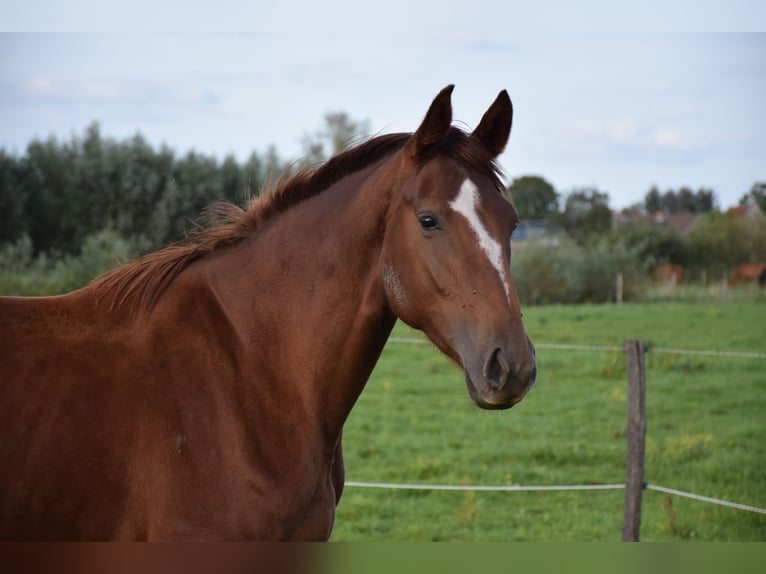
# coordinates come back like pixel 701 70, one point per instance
pixel 139 284
pixel 470 153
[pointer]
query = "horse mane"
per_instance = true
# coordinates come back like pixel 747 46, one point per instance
pixel 140 283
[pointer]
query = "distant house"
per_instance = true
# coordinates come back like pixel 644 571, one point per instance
pixel 628 216
pixel 681 223
pixel 537 231
pixel 748 210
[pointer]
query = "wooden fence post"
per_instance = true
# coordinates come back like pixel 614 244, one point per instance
pixel 618 289
pixel 636 435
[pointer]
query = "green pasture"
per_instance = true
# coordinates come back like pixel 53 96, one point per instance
pixel 414 423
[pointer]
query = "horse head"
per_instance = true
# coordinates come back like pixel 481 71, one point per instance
pixel 446 253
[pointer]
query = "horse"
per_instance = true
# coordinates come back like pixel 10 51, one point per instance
pixel 748 273
pixel 200 392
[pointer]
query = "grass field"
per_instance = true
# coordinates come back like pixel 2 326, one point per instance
pixel 415 423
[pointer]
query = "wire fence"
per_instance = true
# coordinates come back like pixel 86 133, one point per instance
pixel 572 347
pixel 574 487
pixel 562 487
pixel 480 488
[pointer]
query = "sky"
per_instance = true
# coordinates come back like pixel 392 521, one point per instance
pixel 607 95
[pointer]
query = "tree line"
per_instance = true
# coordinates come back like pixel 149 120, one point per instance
pixel 80 204
pixel 60 192
pixel 536 199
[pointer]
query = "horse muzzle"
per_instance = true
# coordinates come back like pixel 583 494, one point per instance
pixel 501 378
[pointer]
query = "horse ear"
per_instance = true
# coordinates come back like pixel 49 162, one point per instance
pixel 435 125
pixel 495 125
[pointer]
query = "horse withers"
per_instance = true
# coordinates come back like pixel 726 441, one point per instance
pixel 200 393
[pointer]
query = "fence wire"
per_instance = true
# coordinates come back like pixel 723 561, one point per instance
pixel 573 347
pixel 706 498
pixel 479 488
pixel 533 488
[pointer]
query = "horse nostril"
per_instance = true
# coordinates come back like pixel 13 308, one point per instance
pixel 496 370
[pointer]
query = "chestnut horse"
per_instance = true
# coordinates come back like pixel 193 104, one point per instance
pixel 199 393
pixel 748 273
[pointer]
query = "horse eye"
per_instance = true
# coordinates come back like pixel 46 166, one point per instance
pixel 428 222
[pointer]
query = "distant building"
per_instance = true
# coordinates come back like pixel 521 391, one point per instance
pixel 748 210
pixel 537 231
pixel 628 216
pixel 681 223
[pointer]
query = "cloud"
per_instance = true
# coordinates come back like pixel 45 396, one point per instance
pixel 626 135
pixel 101 91
pixel 40 86
pixel 593 133
pixel 622 130
pixel 78 90
pixel 670 139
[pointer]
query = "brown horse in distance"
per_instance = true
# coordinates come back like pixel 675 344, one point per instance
pixel 748 273
pixel 199 393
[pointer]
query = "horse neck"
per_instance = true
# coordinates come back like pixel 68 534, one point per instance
pixel 307 294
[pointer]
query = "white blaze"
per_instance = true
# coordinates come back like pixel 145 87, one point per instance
pixel 467 204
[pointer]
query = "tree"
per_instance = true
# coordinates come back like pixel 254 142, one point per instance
pixel 756 195
pixel 534 198
pixel 653 200
pixel 687 201
pixel 12 200
pixel 140 176
pixel 670 202
pixel 653 244
pixel 586 214
pixel 706 200
pixel 683 200
pixel 53 202
pixel 261 172
pixel 196 183
pixel 338 133
pixel 720 241
pixel 232 181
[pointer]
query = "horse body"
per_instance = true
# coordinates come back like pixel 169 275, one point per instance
pixel 748 272
pixel 216 411
pixel 189 410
